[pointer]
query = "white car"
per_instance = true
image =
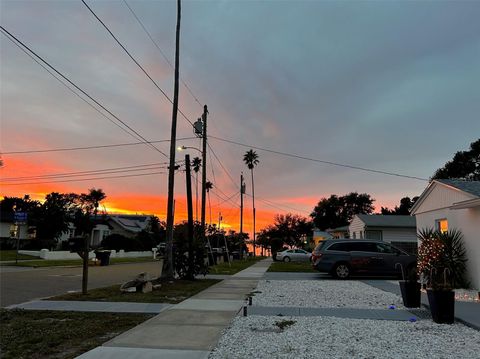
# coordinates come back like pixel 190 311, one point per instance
pixel 295 255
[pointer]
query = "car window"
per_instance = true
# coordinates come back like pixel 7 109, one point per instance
pixel 363 247
pixel 343 247
pixel 290 251
pixel 384 248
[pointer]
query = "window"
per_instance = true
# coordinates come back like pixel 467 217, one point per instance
pixel 384 248
pixel 343 247
pixel 354 235
pixel 442 225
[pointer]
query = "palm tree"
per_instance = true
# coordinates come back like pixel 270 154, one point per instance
pixel 208 187
pixel 196 165
pixel 95 196
pixel 251 160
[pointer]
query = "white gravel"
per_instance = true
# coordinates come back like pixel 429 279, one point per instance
pixel 322 337
pixel 323 294
pixel 330 337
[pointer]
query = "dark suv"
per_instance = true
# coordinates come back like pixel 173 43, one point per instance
pixel 344 257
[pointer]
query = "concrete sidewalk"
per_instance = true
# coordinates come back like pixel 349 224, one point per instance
pixel 190 329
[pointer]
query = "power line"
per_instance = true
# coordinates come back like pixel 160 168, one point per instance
pixel 69 88
pixel 160 50
pixel 90 172
pixel 276 205
pixel 11 36
pixel 134 60
pixel 84 179
pixel 89 147
pixel 319 161
pixel 223 167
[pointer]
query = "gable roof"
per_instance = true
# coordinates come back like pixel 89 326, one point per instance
pixel 378 220
pixel 471 188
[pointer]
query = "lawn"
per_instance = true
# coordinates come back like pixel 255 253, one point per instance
pixel 9 255
pixel 77 262
pixel 291 267
pixel 236 266
pixel 52 334
pixel 170 292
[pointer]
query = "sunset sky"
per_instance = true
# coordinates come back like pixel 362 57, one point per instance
pixel 390 86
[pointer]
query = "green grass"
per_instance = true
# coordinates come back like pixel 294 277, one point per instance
pixel 291 267
pixel 77 262
pixel 236 266
pixel 10 255
pixel 170 292
pixel 52 334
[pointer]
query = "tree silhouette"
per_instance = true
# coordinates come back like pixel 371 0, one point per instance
pixel 464 165
pixel 251 160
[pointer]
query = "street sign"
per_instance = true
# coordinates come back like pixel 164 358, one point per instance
pixel 20 217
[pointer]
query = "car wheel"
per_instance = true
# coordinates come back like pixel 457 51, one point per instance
pixel 341 271
pixel 286 259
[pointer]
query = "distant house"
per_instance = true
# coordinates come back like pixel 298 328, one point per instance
pixel 400 231
pixel 448 204
pixel 128 225
pixel 339 232
pixel 319 236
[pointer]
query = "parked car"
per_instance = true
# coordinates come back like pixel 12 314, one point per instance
pixel 343 257
pixel 295 255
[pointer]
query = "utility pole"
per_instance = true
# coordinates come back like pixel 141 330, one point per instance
pixel 242 191
pixel 219 220
pixel 204 171
pixel 168 264
pixel 191 259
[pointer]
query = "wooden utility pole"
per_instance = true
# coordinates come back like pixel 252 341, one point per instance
pixel 168 263
pixel 204 171
pixel 191 258
pixel 242 191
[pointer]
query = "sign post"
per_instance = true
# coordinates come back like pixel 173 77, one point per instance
pixel 19 218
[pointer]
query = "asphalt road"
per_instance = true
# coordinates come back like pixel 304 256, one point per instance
pixel 19 285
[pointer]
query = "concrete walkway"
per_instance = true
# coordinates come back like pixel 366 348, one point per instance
pixel 104 307
pixel 190 329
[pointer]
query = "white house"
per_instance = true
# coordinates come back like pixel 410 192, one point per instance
pixel 398 230
pixel 448 204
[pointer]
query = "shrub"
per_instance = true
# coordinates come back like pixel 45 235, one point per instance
pixel 442 258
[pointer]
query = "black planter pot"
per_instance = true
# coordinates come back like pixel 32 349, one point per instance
pixel 442 305
pixel 410 293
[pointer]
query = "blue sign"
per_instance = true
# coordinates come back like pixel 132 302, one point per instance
pixel 20 216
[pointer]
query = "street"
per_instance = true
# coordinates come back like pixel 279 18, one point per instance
pixel 18 285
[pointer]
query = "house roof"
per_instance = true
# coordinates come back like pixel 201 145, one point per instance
pixel 378 220
pixel 471 187
pixel 132 223
pixel 338 229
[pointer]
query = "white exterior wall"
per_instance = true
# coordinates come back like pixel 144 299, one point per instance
pixel 46 254
pixel 5 230
pixel 465 220
pixel 442 197
pixel 399 235
pixel 356 226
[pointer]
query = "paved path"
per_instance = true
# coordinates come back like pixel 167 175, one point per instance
pixel 83 306
pixel 190 329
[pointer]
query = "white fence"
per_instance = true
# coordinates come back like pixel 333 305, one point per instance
pixel 46 254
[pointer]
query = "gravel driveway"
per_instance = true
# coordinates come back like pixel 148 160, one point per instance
pixel 331 337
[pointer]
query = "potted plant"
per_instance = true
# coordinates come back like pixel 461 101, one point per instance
pixel 410 287
pixel 441 261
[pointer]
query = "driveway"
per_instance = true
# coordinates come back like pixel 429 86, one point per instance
pixel 18 285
